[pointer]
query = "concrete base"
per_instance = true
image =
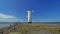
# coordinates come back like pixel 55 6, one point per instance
pixel 29 22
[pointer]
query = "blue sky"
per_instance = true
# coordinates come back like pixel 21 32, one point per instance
pixel 44 10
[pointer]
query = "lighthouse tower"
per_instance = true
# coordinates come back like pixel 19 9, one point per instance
pixel 29 16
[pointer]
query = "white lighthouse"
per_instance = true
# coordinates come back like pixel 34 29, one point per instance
pixel 29 16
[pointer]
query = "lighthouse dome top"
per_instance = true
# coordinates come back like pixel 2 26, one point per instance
pixel 29 10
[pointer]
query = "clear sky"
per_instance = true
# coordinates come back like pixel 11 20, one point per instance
pixel 44 10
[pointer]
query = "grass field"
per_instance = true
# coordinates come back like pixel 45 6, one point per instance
pixel 24 28
pixel 55 28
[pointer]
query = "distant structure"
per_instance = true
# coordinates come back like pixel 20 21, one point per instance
pixel 29 16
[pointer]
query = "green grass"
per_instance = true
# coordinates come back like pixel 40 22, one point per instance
pixel 38 27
